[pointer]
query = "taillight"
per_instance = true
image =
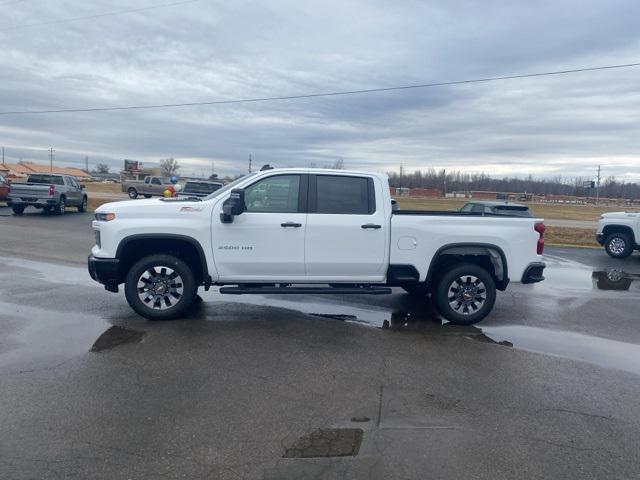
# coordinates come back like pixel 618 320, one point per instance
pixel 540 228
pixel 52 190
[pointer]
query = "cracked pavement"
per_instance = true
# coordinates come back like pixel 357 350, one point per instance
pixel 223 393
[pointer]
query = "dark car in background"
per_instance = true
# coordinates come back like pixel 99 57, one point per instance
pixel 497 208
pixel 199 188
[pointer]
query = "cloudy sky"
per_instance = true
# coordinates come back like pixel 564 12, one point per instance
pixel 216 50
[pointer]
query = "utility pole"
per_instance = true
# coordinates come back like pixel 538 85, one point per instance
pixel 444 183
pixel 3 155
pixel 51 155
pixel 86 163
pixel 249 163
pixel 598 186
pixel 401 174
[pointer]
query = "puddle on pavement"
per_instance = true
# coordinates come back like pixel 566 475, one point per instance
pixel 49 272
pixel 577 346
pixel 327 442
pixel 114 336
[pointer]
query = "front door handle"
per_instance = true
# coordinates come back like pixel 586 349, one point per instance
pixel 371 225
pixel 291 224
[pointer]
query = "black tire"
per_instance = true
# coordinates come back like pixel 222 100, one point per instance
pixel 133 193
pixel 61 207
pixel 180 295
pixel 461 299
pixel 17 209
pixel 147 196
pixel 416 290
pixel 618 245
pixel 83 206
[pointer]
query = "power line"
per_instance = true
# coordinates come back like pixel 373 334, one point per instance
pixel 99 15
pixel 317 95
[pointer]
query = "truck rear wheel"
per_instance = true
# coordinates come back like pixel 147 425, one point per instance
pixel 618 245
pixel 61 207
pixel 133 193
pixel 160 287
pixel 465 294
pixel 17 209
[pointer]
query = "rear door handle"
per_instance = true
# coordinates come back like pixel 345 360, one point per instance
pixel 371 225
pixel 291 224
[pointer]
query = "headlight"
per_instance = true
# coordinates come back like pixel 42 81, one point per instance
pixel 105 217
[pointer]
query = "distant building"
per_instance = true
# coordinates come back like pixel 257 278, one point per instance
pixel 20 171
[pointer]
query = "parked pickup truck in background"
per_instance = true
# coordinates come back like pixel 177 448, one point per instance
pixel 198 188
pixel 50 192
pixel 150 187
pixel 286 231
pixel 619 233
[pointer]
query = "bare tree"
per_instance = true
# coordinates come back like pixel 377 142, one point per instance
pixel 169 166
pixel 337 164
pixel 102 168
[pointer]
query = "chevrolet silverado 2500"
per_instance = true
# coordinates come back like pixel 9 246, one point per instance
pixel 288 231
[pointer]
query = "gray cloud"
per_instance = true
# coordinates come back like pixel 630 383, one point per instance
pixel 217 50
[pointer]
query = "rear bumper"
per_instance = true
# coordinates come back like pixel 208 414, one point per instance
pixel 105 271
pixel 600 238
pixel 33 201
pixel 533 273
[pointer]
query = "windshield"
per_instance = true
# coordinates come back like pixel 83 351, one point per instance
pixel 229 186
pixel 45 179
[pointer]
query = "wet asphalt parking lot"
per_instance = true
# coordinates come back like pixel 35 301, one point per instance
pixel 546 387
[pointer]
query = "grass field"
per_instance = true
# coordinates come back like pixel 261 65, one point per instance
pixel 103 187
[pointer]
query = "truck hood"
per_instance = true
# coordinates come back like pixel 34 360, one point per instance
pixel 151 206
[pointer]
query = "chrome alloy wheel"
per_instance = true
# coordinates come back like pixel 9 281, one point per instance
pixel 617 246
pixel 160 287
pixel 466 294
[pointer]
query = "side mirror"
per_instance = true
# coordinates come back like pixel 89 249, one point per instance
pixel 82 186
pixel 233 206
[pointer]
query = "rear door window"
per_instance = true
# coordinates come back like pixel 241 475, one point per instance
pixel 337 194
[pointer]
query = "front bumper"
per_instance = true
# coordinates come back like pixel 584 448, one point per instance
pixel 533 273
pixel 600 238
pixel 105 271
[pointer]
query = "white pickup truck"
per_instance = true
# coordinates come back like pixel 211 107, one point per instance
pixel 619 233
pixel 309 231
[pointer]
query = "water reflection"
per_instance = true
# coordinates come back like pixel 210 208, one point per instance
pixel 614 279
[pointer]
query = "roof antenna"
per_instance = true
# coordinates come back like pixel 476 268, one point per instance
pixel 266 167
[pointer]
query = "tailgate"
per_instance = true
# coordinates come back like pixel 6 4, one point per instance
pixel 29 191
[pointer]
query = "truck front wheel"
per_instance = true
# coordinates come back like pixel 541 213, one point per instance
pixel 133 193
pixel 160 287
pixel 618 245
pixel 465 294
